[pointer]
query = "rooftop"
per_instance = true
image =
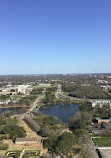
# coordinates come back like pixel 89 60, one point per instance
pixel 98 118
pixel 26 139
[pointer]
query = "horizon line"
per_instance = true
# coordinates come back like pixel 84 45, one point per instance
pixel 54 74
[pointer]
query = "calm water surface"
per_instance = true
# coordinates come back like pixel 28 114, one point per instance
pixel 62 111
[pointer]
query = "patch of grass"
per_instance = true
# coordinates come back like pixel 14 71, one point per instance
pixel 77 101
pixel 94 135
pixel 103 141
pixel 66 93
pixel 17 96
pixel 29 132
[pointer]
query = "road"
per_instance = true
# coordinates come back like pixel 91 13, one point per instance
pixel 35 104
pixel 37 101
pixel 59 91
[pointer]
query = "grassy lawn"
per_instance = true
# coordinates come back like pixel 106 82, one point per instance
pixel 94 135
pixel 103 141
pixel 17 96
pixel 29 132
pixel 79 101
pixel 66 93
pixel 2 152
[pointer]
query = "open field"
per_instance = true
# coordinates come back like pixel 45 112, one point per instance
pixel 103 141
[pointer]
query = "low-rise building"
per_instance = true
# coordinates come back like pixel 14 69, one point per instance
pixel 29 141
pixel 26 141
pixel 95 130
pixel 99 120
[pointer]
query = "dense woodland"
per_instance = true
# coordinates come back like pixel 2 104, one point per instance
pixel 90 92
pixel 49 125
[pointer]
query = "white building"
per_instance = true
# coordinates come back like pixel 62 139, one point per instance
pixel 22 89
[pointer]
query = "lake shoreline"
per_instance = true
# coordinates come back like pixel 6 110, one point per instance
pixel 61 111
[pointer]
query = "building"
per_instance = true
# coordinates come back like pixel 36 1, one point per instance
pixel 95 130
pixel 102 81
pixel 100 102
pixel 5 102
pixel 106 87
pixel 22 89
pixel 26 141
pixel 99 120
pixel 44 85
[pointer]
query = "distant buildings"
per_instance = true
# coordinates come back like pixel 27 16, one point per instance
pixel 100 103
pixel 5 102
pixel 44 85
pixel 102 81
pixel 7 90
pixel 106 87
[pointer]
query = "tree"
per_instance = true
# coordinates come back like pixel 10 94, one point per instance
pixel 86 116
pixel 78 124
pixel 64 143
pixel 14 131
pixel 50 142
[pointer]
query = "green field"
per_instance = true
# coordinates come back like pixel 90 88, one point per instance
pixel 66 93
pixel 103 141
pixel 17 96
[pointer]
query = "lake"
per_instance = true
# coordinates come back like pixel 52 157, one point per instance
pixel 16 110
pixel 62 111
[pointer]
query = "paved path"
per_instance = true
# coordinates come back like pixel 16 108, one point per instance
pixel 22 153
pixel 59 91
pixel 37 101
pixel 35 104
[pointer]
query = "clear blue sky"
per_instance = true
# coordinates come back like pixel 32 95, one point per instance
pixel 55 36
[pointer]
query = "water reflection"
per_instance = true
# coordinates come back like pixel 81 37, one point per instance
pixel 62 111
